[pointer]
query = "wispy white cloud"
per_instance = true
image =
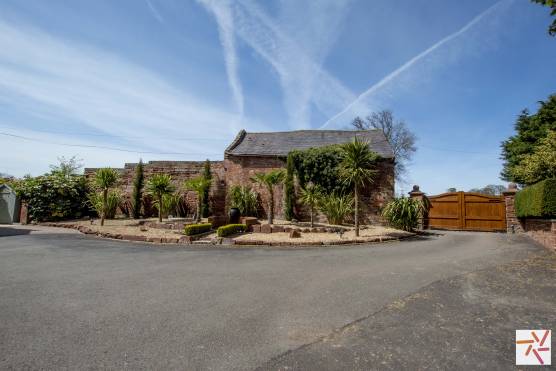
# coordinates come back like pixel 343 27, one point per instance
pixel 154 11
pixel 221 9
pixel 362 100
pixel 84 87
pixel 295 44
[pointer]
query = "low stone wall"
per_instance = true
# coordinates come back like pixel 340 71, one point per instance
pixel 541 230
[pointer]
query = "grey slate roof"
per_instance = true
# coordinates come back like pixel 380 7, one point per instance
pixel 281 143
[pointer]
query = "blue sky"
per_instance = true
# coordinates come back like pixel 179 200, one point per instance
pixel 176 79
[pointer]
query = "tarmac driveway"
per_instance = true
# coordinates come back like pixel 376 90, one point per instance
pixel 69 301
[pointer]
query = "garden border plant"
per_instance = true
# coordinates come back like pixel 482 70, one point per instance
pixel 194 229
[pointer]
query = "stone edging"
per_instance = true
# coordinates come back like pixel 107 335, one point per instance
pixel 188 240
pixel 377 239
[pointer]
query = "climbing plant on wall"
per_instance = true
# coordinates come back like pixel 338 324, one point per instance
pixel 319 166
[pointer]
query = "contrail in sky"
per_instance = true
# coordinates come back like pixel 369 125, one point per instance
pixel 412 61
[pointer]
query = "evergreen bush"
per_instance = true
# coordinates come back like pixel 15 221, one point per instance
pixel 537 201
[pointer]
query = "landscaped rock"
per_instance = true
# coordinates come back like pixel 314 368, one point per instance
pixel 185 240
pixel 277 229
pixel 255 228
pixel 218 220
pixel 266 228
pixel 249 220
pixel 132 237
pixel 294 233
pixel 154 239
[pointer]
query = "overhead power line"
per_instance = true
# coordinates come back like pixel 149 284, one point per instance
pixel 103 147
pixel 116 136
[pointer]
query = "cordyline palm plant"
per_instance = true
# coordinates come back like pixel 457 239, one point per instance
pixel 105 179
pixel 158 186
pixel 269 181
pixel 357 170
pixel 311 195
pixel 336 207
pixel 404 213
pixel 200 185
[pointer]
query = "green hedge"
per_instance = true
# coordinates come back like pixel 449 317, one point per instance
pixel 191 229
pixel 538 200
pixel 227 230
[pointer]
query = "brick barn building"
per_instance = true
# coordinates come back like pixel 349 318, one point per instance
pixel 250 153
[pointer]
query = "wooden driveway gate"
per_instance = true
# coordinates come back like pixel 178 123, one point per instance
pixel 466 211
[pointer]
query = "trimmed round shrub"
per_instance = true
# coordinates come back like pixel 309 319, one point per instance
pixel 192 229
pixel 230 229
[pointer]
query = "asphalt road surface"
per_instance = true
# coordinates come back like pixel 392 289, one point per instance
pixel 69 301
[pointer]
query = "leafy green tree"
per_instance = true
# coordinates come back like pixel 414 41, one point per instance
pixel 357 170
pixel 208 176
pixel 269 181
pixel 451 189
pixel 137 195
pixel 67 167
pixel 490 190
pixel 289 190
pixel 311 195
pixel 199 185
pixel 158 186
pixel 541 164
pixel 53 196
pixel 105 179
pixel 552 5
pixel 531 129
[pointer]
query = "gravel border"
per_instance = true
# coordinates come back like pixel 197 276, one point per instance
pixel 224 242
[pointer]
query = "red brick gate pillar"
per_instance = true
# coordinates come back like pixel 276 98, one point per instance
pixel 512 222
pixel 418 195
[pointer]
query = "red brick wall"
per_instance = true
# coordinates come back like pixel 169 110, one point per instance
pixel 180 171
pixel 239 170
pixel 541 230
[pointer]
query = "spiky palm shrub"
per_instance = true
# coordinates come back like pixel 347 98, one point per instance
pixel 105 179
pixel 113 200
pixel 311 195
pixel 158 186
pixel 137 195
pixel 199 185
pixel 244 199
pixel 357 170
pixel 172 204
pixel 269 181
pixel 336 207
pixel 403 213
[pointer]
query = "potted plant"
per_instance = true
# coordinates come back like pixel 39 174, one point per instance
pixel 243 201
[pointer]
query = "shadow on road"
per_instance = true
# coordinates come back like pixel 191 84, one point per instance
pixel 8 231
